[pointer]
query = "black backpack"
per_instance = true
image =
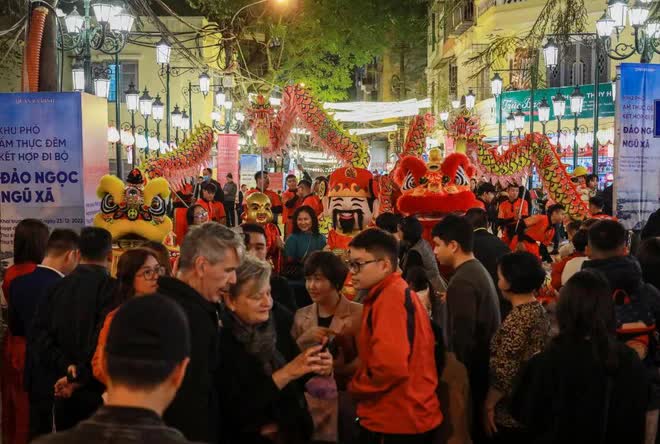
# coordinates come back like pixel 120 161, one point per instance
pixel 635 324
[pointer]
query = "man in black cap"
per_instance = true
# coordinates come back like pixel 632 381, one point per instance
pixel 146 356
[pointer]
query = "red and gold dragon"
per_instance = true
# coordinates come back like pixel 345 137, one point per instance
pixel 516 163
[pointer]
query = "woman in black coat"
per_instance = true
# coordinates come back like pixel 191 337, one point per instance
pixel 585 386
pixel 260 380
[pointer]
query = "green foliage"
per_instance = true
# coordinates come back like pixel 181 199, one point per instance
pixel 318 42
pixel 558 18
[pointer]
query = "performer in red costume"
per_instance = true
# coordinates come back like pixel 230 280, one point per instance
pixel 290 202
pixel 258 210
pixel 350 204
pixel 510 212
pixel 539 229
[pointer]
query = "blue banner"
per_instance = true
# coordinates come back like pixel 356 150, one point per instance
pixel 637 155
pixel 42 172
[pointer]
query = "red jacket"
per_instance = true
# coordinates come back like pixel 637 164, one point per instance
pixel 394 387
pixel 215 209
pixel 314 202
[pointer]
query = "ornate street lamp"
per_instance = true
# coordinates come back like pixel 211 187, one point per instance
pixel 544 113
pixel 470 99
pixel 146 107
pixel 577 101
pixel 204 83
pixel 510 125
pixel 109 34
pixel 101 87
pixel 78 74
pixel 519 120
pixel 132 103
pixel 176 122
pixel 551 54
pixel 163 50
pixel 645 31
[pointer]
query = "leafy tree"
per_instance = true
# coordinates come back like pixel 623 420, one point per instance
pixel 317 42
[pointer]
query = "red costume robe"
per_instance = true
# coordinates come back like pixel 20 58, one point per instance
pixel 537 230
pixel 508 213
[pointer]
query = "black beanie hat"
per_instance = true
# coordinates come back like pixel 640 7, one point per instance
pixel 151 328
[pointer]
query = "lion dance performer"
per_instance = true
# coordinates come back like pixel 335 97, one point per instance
pixel 258 210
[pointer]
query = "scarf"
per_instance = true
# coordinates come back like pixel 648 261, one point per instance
pixel 259 341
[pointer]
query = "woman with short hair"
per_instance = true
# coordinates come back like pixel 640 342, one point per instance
pixel 261 388
pixel 331 317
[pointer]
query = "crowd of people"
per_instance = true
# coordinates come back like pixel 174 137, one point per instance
pixel 444 341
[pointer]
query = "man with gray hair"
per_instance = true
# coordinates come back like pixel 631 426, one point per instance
pixel 210 254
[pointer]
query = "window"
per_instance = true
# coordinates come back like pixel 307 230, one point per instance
pixel 453 80
pixel 128 73
pixel 577 63
pixel 433 32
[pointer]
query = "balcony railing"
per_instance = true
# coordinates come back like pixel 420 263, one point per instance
pixel 485 5
pixel 460 18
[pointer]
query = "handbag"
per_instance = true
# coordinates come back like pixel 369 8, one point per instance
pixel 294 270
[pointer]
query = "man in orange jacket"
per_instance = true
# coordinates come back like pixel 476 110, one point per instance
pixel 510 211
pixel 538 229
pixel 395 383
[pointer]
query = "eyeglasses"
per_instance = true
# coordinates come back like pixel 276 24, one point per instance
pixel 355 266
pixel 152 273
pixel 201 215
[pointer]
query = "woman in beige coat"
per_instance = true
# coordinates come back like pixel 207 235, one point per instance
pixel 334 317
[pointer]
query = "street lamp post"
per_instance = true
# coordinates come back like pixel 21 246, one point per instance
pixel 146 107
pixel 158 111
pixel 496 88
pixel 577 101
pixel 510 126
pixel 519 121
pixel 185 124
pixel 559 108
pixel 544 113
pixel 176 122
pixel 132 100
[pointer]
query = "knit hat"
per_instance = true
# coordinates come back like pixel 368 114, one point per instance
pixel 151 328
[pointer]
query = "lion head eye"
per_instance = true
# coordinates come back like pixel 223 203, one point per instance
pixel 408 182
pixel 158 207
pixel 108 204
pixel 461 178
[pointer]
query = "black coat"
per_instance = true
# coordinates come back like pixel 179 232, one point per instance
pixel 194 410
pixel 66 322
pixel 119 425
pixel 561 396
pixel 488 249
pixel 249 399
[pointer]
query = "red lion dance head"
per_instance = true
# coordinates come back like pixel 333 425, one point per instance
pixel 430 190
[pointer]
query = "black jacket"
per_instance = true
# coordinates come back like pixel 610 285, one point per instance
pixel 625 273
pixel 26 294
pixel 560 396
pixel 66 323
pixel 249 399
pixel 282 292
pixel 118 425
pixel 194 410
pixel 488 249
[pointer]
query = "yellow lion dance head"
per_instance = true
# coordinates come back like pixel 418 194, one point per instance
pixel 137 208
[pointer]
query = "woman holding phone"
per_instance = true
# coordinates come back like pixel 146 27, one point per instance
pixel 334 320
